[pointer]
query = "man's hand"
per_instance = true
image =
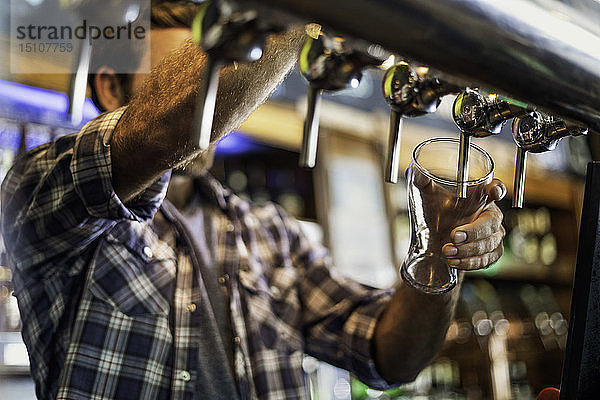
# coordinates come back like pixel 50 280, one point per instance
pixel 478 244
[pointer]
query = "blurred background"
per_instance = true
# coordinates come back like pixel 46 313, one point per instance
pixel 509 334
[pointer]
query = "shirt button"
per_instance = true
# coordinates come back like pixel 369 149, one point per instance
pixel 148 251
pixel 190 307
pixel 230 227
pixel 237 340
pixel 223 279
pixel 185 376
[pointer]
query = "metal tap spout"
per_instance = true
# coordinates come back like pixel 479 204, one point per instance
pixel 536 133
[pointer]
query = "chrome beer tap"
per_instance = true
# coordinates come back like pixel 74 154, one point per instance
pixel 480 116
pixel 408 95
pixel 536 133
pixel 227 34
pixel 327 64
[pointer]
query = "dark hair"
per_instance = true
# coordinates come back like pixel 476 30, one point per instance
pixel 164 14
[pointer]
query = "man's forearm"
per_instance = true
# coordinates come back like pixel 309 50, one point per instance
pixel 411 331
pixel 154 134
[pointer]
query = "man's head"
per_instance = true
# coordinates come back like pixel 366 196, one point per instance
pixel 171 23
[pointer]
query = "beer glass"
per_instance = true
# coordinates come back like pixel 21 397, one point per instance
pixel 435 209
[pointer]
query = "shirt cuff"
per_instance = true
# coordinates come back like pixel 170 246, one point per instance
pixel 360 332
pixel 91 169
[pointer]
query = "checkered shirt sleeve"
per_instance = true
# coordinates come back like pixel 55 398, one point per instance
pixel 58 198
pixel 339 315
pixel 56 201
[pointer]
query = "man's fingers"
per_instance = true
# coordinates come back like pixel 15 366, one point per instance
pixel 478 262
pixel 488 222
pixel 474 249
pixel 478 244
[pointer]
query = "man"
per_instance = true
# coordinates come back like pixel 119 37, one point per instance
pixel 124 295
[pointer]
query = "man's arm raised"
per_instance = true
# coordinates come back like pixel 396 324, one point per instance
pixel 154 133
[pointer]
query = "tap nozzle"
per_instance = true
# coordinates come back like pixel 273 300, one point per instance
pixel 308 155
pixel 95 13
pixel 207 100
pixel 463 165
pixel 78 83
pixel 519 180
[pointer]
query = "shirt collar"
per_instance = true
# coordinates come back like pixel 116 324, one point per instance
pixel 210 189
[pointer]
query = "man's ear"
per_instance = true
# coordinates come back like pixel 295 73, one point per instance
pixel 110 92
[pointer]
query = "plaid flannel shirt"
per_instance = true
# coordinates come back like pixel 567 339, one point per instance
pixel 107 303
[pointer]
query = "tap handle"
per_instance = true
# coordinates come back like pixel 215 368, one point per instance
pixel 314 62
pixel 536 133
pixel 519 181
pixel 399 83
pixel 395 138
pixel 528 130
pixel 479 116
pixel 308 155
pixel 482 116
pixel 412 94
pixel 326 63
pixel 468 111
pixel 231 33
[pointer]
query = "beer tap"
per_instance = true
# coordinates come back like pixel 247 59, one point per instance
pixel 536 133
pixel 477 115
pixel 227 35
pixel 327 64
pixel 409 95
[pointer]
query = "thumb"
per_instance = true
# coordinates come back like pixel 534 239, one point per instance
pixel 496 190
